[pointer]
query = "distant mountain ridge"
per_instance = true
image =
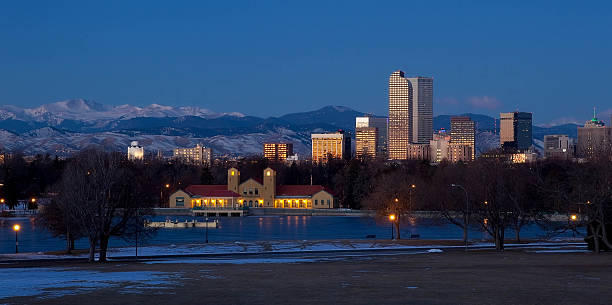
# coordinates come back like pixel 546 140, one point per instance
pixel 69 126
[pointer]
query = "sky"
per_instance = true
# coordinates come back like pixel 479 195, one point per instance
pixel 268 58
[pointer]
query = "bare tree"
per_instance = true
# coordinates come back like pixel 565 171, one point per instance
pixel 393 195
pixel 103 194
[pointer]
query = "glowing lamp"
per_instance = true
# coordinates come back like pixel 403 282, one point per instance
pixel 167 185
pixel 392 217
pixel 16 227
pixel 573 217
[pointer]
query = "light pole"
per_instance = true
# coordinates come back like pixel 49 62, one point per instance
pixel 410 193
pixel 16 228
pixel 392 219
pixel 467 211
pixel 206 227
pixel 161 193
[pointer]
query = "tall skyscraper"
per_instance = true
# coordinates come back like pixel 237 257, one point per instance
pixel 421 109
pixel 380 125
pixel 463 132
pixel 594 138
pixel 410 113
pixel 277 151
pixel 337 145
pixel 400 129
pixel 515 130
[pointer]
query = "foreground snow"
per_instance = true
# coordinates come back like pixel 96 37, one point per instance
pixel 57 282
pixel 275 247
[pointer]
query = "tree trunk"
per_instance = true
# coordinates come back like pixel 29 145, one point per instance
pixel 501 238
pixel 517 231
pixel 397 227
pixel 68 242
pixel 92 250
pixel 103 247
pixel 465 233
pixel 71 243
pixel 596 239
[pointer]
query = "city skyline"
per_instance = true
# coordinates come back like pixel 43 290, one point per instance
pixel 487 58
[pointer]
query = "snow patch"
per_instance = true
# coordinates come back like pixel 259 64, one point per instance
pixel 57 282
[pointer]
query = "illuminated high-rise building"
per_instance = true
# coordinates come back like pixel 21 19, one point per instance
pixel 400 127
pixel 198 155
pixel 335 145
pixel 410 113
pixel 366 142
pixel 594 139
pixel 364 129
pixel 515 130
pixel 463 133
pixel 277 151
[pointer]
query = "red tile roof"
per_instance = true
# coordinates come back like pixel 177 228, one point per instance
pixel 300 190
pixel 210 191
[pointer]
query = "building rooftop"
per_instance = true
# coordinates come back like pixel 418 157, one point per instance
pixel 210 191
pixel 300 190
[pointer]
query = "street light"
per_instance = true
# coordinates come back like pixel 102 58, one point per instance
pixel 467 211
pixel 410 192
pixel 16 228
pixel 392 219
pixel 573 217
pixel 161 193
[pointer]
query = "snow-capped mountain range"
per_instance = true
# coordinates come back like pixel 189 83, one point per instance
pixel 89 111
pixel 68 126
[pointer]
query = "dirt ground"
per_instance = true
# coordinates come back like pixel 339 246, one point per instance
pixel 480 277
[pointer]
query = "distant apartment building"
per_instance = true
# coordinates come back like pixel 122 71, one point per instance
pixel 594 139
pixel 335 145
pixel 135 151
pixel 438 147
pixel 441 148
pixel 419 151
pixel 380 125
pixel 463 132
pixel 198 155
pixel 460 153
pixel 558 147
pixel 515 130
pixel 410 113
pixel 277 151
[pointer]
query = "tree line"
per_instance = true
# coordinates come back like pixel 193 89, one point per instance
pixel 97 195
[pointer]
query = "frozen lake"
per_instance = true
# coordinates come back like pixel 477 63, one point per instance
pixel 33 238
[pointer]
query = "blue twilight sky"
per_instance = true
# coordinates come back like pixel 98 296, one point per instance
pixel 268 58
